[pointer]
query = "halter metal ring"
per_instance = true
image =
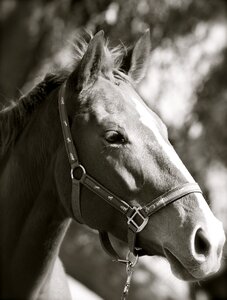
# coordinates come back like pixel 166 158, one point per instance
pixel 78 173
pixel 137 221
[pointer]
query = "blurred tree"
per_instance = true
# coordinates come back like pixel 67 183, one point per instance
pixel 33 31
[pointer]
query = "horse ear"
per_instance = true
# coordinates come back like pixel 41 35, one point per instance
pixel 140 58
pixel 91 63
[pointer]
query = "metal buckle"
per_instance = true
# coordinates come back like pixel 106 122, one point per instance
pixel 136 211
pixel 78 173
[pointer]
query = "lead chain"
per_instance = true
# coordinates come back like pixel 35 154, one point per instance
pixel 129 270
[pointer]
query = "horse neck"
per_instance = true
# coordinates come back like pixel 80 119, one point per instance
pixel 32 219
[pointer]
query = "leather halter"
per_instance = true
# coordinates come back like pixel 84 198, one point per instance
pixel 136 216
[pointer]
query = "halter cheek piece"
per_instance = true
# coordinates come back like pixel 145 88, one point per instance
pixel 136 216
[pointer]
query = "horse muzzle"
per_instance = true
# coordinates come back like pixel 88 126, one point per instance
pixel 203 257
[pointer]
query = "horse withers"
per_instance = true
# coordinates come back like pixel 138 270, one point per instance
pixel 123 152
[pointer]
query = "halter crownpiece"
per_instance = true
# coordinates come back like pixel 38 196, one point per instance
pixel 136 216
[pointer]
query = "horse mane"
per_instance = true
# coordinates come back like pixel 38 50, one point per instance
pixel 15 116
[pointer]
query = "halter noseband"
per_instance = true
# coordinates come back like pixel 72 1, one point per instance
pixel 137 216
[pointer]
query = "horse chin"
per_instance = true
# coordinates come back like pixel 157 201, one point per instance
pixel 178 268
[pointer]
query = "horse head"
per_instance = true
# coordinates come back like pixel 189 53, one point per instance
pixel 124 145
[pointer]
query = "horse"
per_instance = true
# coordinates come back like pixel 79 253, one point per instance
pixel 106 144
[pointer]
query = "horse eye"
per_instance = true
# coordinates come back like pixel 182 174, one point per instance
pixel 114 137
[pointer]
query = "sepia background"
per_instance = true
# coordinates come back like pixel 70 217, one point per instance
pixel 186 85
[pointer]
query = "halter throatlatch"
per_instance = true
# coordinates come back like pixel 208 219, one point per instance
pixel 136 216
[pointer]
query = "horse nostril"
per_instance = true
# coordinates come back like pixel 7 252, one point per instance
pixel 202 245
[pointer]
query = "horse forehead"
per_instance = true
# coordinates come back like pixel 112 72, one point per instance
pixel 123 100
pixel 109 100
pixel 145 115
